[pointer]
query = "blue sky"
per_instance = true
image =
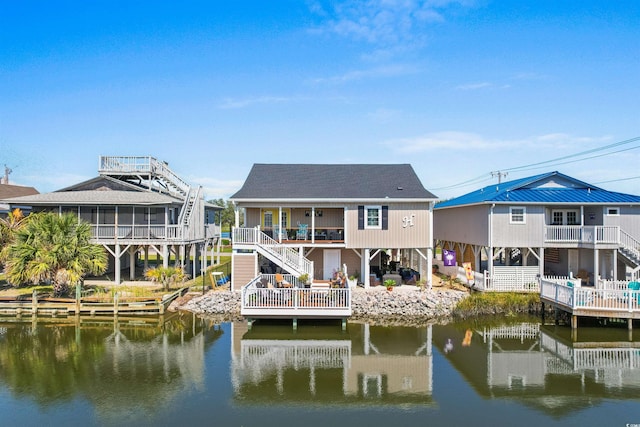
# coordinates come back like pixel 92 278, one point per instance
pixel 456 88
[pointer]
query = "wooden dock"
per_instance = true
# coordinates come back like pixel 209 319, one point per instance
pixel 613 300
pixel 295 303
pixel 87 305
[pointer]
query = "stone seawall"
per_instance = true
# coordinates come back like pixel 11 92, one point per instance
pixel 402 305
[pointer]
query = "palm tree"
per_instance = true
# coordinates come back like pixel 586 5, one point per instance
pixel 166 275
pixel 8 228
pixel 55 249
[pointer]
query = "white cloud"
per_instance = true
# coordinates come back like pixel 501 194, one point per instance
pixel 216 188
pixel 232 103
pixel 474 86
pixel 382 23
pixel 454 140
pixel 388 71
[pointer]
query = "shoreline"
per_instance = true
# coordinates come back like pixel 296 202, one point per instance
pixel 404 305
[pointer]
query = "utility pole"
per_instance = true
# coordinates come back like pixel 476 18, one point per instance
pixel 500 175
pixel 7 171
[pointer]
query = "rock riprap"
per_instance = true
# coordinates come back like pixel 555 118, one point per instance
pixel 371 304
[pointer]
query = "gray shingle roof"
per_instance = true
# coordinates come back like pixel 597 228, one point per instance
pixel 332 181
pixel 93 197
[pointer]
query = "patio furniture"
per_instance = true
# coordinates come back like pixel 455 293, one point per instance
pixel 280 282
pixel 301 234
pixel 278 231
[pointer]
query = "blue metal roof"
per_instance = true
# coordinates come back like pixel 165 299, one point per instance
pixel 532 190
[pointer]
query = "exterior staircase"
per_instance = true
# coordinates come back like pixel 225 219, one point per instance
pixel 154 175
pixel 284 256
pixel 630 251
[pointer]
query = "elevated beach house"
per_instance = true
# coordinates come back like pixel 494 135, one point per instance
pixel 363 220
pixel 544 225
pixel 134 205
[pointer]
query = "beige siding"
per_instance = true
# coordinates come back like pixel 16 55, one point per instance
pixel 464 224
pixel 397 236
pixel 347 256
pixel 245 268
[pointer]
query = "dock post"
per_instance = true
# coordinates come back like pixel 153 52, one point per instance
pixel 542 313
pixel 344 324
pixel 34 303
pixel 556 316
pixel 249 324
pixel 574 322
pixel 115 305
pixel 78 297
pixel 630 324
pixel 295 323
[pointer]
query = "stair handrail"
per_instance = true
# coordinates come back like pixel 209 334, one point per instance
pixel 290 257
pixel 629 243
pixel 162 170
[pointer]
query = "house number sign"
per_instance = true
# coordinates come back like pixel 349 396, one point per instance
pixel 407 221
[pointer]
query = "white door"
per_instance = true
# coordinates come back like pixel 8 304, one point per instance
pixel 573 261
pixel 331 262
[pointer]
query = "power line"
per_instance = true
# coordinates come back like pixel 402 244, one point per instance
pixel 547 163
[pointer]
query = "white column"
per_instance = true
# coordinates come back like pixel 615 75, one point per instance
pixel 165 256
pixel 117 265
pixel 366 263
pixel 146 257
pixel 132 263
pixel 614 260
pixel 596 266
pixel 541 262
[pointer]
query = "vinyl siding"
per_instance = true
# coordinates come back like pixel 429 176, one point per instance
pixel 465 224
pixel 530 234
pixel 396 236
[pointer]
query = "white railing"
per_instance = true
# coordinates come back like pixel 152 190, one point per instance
pixel 294 300
pixel 582 234
pixel 630 244
pixel 512 279
pixel 586 298
pixel 290 257
pixel 112 232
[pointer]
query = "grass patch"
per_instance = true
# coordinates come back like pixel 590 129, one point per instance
pixel 506 303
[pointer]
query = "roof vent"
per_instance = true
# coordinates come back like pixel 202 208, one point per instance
pixel 400 188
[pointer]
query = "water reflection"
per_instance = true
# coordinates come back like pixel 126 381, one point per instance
pixel 544 366
pixel 123 368
pixel 321 364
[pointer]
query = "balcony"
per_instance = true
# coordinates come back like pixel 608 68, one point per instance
pixel 582 236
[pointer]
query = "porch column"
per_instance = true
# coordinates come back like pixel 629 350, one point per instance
pixel 280 224
pixel 165 256
pixel 614 260
pixel 196 260
pixel 132 263
pixel 117 265
pixel 429 273
pixel 366 267
pixel 236 214
pixel 596 266
pixel 146 257
pixel 313 224
pixel 541 262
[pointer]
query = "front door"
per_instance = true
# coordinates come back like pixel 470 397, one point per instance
pixel 331 262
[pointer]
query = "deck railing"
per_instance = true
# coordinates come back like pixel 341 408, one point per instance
pixel 295 301
pixel 587 298
pixel 291 258
pixel 582 234
pixel 143 232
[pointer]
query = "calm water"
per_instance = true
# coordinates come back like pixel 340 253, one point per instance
pixel 190 371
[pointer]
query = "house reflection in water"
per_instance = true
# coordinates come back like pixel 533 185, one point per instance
pixel 542 366
pixel 321 364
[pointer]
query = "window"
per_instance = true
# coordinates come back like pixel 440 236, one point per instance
pixel 268 219
pixel 373 218
pixel 572 218
pixel 557 218
pixel 613 211
pixel 517 215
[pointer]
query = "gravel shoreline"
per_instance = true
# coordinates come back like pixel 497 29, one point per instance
pixel 405 305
